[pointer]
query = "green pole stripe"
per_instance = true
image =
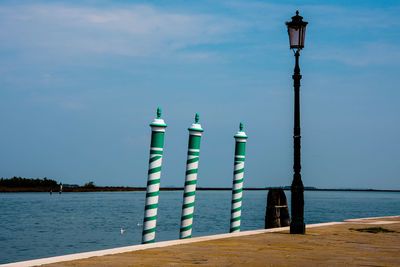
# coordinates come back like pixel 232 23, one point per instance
pixel 189 194
pixel 154 170
pixel 237 190
pixel 148 231
pixel 194 142
pixel 235 228
pixel 239 159
pixel 186 237
pixel 151 218
pixel 152 194
pixel 151 206
pixel 238 181
pixel 240 148
pixel 193 160
pixel 156 152
pixel 188 205
pixel 236 200
pixel 189 216
pixel 154 181
pixel 148 241
pixel 237 171
pixel 154 158
pixel 192 153
pixel 183 229
pixel 190 182
pixel 237 209
pixel 236 219
pixel 157 139
pixel 191 171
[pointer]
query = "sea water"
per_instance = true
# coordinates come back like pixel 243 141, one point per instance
pixel 37 225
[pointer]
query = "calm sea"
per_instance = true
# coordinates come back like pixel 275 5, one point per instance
pixel 37 225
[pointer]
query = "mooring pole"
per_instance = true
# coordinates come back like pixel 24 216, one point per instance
pixel 238 176
pixel 153 181
pixel 192 164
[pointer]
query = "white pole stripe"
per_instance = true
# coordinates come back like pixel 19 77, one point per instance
pixel 157 149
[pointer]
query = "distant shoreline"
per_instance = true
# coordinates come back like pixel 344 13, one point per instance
pixel 123 188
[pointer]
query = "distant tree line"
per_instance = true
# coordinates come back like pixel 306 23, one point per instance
pixel 27 182
pixel 89 185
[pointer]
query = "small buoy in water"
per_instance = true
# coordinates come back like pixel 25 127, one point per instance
pixel 123 231
pixel 139 224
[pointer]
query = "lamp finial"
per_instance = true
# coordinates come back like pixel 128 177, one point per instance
pixel 158 113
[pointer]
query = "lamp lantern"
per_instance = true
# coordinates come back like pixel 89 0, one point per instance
pixel 297 31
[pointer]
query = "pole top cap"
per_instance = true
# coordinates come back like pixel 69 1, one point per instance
pixel 158 122
pixel 240 133
pixel 196 125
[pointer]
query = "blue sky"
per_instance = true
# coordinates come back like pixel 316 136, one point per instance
pixel 81 80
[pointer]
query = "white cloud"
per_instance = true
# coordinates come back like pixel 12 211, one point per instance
pixel 147 31
pixel 136 30
pixel 352 18
pixel 366 54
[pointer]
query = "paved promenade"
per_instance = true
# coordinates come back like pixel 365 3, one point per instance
pixel 328 245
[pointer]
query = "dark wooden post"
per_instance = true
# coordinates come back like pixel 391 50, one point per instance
pixel 277 212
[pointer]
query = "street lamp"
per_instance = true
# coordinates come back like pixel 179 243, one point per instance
pixel 296 31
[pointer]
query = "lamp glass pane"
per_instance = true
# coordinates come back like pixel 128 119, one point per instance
pixel 303 35
pixel 294 36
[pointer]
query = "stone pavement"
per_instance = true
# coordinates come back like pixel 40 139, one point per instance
pixel 331 244
pixel 327 245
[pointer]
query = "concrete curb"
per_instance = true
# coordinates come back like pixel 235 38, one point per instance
pixel 370 218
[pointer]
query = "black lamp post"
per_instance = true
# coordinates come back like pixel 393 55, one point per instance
pixel 297 30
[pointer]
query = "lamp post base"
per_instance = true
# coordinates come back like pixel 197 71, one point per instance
pixel 297 228
pixel 297 225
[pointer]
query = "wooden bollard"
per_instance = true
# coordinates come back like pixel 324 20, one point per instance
pixel 277 212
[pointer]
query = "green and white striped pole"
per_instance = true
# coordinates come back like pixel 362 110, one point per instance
pixel 238 174
pixel 153 181
pixel 192 165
